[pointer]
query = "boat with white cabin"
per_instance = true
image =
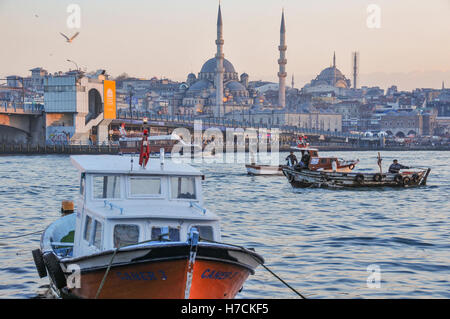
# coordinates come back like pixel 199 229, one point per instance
pixel 141 232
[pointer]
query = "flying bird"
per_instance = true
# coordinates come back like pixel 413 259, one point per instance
pixel 69 40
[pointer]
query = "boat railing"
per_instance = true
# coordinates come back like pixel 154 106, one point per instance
pixel 111 206
pixel 200 208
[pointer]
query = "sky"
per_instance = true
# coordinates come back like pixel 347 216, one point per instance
pixel 407 44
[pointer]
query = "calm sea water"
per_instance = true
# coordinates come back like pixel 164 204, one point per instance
pixel 320 241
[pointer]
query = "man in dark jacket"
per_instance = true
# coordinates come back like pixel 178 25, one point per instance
pixel 292 159
pixel 396 167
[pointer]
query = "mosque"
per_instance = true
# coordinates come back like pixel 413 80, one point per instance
pixel 218 89
pixel 331 79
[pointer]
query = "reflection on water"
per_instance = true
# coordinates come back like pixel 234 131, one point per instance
pixel 320 241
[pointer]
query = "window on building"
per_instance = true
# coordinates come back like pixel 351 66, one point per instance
pixel 125 235
pixel 106 186
pixel 183 188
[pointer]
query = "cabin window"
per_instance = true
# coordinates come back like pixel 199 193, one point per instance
pixel 160 233
pixel 98 234
pixel 183 187
pixel 87 228
pixel 323 161
pixel 82 183
pixel 205 232
pixel 145 186
pixel 125 235
pixel 106 186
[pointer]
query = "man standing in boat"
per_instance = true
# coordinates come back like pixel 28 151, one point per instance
pixel 396 167
pixel 292 159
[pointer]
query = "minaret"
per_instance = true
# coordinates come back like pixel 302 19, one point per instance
pixel 292 83
pixel 218 109
pixel 282 63
pixel 443 86
pixel 355 70
pixel 334 68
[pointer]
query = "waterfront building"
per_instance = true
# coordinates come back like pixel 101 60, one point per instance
pixel 74 107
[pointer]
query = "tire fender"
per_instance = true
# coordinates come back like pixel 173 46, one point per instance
pixel 39 262
pixel 54 270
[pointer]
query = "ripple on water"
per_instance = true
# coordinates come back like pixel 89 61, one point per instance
pixel 318 240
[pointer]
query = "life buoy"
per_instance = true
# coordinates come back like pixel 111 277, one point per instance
pixel 359 178
pixel 54 270
pixel 39 262
pixel 398 179
pixel 406 180
pixel 351 167
pixel 377 177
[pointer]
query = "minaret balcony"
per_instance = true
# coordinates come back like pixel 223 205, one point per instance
pixel 282 61
pixel 282 47
pixel 220 42
pixel 282 74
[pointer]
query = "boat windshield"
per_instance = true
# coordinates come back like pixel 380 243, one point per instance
pixel 106 186
pixel 125 235
pixel 183 187
pixel 145 186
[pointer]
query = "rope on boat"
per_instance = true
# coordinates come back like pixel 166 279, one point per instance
pixel 106 273
pixel 23 235
pixel 160 238
pixel 259 262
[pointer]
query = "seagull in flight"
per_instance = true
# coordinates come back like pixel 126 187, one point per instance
pixel 69 40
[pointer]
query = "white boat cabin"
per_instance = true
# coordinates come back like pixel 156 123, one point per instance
pixel 123 204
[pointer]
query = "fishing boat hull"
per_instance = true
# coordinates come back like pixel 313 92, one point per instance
pixel 161 272
pixel 263 169
pixel 308 178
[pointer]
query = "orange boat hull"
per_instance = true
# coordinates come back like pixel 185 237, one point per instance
pixel 164 280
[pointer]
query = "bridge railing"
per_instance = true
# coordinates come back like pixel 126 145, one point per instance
pixel 13 107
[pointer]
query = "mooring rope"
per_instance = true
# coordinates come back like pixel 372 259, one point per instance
pixel 23 235
pixel 160 238
pixel 259 262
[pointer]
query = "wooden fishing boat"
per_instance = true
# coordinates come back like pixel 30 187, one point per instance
pixel 140 232
pixel 260 169
pixel 315 162
pixel 299 177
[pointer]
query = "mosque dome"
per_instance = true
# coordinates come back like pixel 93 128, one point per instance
pixel 235 86
pixel 329 74
pixel 199 86
pixel 211 65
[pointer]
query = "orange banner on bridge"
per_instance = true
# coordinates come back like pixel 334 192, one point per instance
pixel 109 98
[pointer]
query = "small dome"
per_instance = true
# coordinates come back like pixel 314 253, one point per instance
pixel 199 85
pixel 211 65
pixel 235 86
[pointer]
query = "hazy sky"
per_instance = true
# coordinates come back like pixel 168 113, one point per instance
pixel 171 38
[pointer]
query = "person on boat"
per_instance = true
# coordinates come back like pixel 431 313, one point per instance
pixel 292 159
pixel 396 167
pixel 305 158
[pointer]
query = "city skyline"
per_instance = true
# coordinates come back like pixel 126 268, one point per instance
pixel 159 39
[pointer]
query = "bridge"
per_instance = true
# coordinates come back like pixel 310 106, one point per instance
pixel 21 122
pixel 174 121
